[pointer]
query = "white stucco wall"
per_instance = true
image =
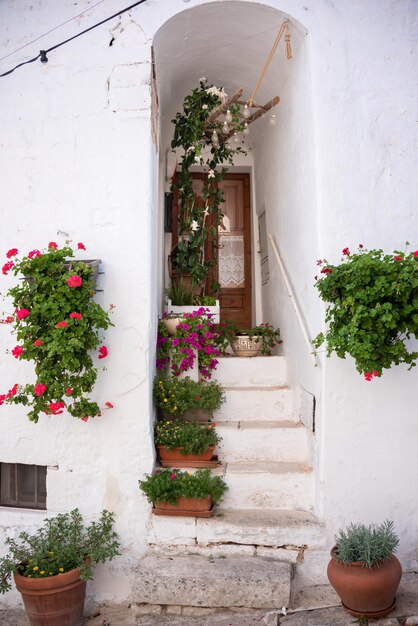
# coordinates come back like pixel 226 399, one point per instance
pixel 77 158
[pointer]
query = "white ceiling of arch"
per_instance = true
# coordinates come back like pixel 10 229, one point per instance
pixel 228 43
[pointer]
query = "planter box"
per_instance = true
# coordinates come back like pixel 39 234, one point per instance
pixel 174 458
pixel 185 507
pixel 212 310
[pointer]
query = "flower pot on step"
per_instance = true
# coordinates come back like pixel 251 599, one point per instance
pixel 54 600
pixel 186 507
pixel 171 324
pixel 176 457
pixel 246 346
pixel 366 591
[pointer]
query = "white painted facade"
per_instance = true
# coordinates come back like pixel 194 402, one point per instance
pixel 78 162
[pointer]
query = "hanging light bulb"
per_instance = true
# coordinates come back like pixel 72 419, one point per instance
pixel 228 116
pixel 246 112
pixel 246 130
pixel 229 144
pixel 236 138
pixel 272 120
pixel 225 128
pixel 214 137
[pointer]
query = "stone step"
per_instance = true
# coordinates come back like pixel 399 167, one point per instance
pixel 239 581
pixel 264 441
pixel 259 371
pixel 263 485
pixel 257 404
pixel 250 527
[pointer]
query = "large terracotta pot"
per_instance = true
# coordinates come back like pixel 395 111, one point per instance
pixel 186 504
pixel 53 601
pixel 246 346
pixel 365 591
pixel 175 455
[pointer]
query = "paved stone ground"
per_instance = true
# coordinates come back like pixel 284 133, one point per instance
pixel 406 613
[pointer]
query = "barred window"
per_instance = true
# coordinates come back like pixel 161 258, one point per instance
pixel 23 486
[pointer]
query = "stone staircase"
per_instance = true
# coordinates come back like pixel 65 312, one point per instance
pixel 264 537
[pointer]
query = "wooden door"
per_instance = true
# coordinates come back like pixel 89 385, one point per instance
pixel 234 251
pixel 231 250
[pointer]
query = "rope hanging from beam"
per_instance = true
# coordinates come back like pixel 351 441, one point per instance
pixel 283 28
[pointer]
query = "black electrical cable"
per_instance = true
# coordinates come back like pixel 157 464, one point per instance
pixel 42 54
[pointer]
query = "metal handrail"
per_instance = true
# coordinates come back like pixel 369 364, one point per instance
pixel 294 302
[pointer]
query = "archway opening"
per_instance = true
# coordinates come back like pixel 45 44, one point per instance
pixel 228 43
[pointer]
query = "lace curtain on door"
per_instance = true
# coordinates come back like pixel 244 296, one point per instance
pixel 231 260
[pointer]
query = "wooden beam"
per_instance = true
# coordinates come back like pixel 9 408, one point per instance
pixel 272 103
pixel 223 108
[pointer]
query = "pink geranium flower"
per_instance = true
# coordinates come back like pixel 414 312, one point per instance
pixel 81 246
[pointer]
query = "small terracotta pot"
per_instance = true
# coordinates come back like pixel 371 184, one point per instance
pixel 53 601
pixel 368 591
pixel 246 346
pixel 175 455
pixel 186 504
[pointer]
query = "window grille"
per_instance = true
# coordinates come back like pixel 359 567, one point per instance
pixel 23 486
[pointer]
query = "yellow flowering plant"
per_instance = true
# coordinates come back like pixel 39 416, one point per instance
pixel 190 437
pixel 176 397
pixel 62 544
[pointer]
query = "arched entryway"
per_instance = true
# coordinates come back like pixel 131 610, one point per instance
pixel 228 43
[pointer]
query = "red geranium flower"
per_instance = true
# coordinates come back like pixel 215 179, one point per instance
pixel 84 419
pixel 17 351
pixel 7 267
pixel 326 270
pixel 52 244
pixel 56 408
pixel 74 281
pixel 346 251
pixel 22 313
pixel 62 324
pixel 368 375
pixel 398 258
pixel 39 389
pixel 33 253
pixel 12 252
pixel 76 316
pixel 81 246
pixel 68 391
pixel 416 253
pixel 109 405
pixel 38 342
pixel 103 352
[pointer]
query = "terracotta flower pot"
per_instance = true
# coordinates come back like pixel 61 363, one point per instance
pixel 246 346
pixel 186 504
pixel 175 455
pixel 366 591
pixel 55 600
